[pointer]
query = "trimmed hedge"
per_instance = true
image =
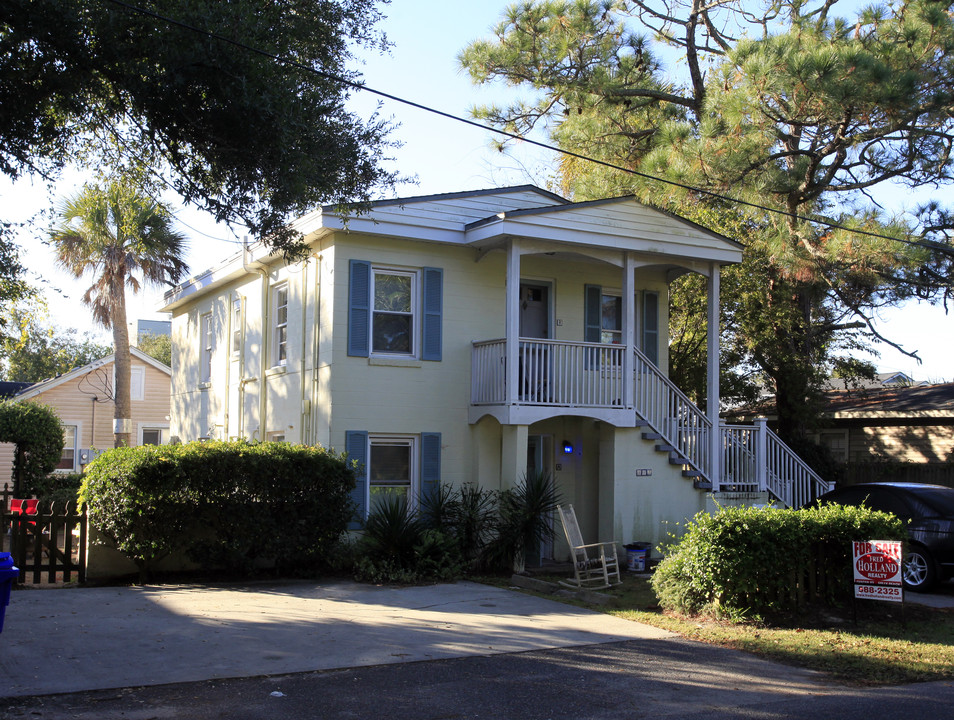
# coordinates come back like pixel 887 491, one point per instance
pixel 229 505
pixel 753 560
pixel 36 430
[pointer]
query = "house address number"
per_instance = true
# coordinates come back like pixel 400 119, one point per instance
pixel 644 472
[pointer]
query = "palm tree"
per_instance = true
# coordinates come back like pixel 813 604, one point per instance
pixel 118 235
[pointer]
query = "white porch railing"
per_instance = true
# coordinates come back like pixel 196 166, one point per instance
pixel 755 458
pixel 673 415
pixel 590 375
pixel 569 374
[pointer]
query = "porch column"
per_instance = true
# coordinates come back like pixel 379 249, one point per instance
pixel 629 329
pixel 513 322
pixel 712 375
pixel 513 454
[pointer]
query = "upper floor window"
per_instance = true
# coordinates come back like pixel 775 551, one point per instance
pixel 393 323
pixel 280 325
pixel 237 326
pixel 206 340
pixel 395 312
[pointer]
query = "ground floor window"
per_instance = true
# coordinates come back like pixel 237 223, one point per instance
pixel 68 458
pixel 155 435
pixel 391 468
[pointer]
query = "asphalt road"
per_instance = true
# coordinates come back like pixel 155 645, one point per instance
pixel 672 678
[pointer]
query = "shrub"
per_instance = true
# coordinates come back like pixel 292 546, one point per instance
pixel 753 560
pixel 38 435
pixel 522 526
pixel 398 547
pixel 231 505
pixel 58 489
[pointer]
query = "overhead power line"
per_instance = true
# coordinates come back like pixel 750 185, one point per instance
pixel 513 136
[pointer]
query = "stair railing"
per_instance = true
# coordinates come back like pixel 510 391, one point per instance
pixel 672 415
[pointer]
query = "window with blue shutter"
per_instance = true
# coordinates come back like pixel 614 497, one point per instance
pixel 650 343
pixel 433 308
pixel 430 465
pixel 359 308
pixel 356 445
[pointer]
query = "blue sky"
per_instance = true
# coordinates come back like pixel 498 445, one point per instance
pixel 443 156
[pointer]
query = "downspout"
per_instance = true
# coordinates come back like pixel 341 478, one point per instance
pixel 228 365
pixel 315 352
pixel 304 407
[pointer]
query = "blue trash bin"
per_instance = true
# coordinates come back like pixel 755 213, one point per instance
pixel 8 576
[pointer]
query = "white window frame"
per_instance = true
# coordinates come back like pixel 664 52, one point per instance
pixel 163 429
pixel 279 329
pixel 275 436
pixel 412 442
pixel 415 312
pixel 238 325
pixel 619 333
pixel 77 437
pixel 206 347
pixel 137 381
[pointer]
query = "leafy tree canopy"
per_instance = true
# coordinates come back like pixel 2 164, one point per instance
pixel 233 131
pixel 158 347
pixel 34 350
pixel 784 105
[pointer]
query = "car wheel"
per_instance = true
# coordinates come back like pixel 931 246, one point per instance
pixel 919 572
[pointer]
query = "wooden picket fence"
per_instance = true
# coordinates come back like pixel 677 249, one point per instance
pixel 49 547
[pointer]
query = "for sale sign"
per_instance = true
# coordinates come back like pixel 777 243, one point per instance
pixel 877 569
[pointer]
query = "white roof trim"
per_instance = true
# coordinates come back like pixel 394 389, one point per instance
pixel 41 387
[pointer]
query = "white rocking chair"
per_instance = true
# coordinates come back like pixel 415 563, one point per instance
pixel 594 565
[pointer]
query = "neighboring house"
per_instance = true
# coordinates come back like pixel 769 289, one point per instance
pixel 881 380
pixel 83 399
pixel 471 338
pixel 911 424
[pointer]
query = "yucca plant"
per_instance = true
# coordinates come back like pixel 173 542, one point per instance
pixel 523 524
pixel 391 530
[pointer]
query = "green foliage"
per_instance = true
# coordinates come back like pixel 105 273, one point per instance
pixel 158 347
pixel 33 350
pixel 397 547
pixel 123 237
pixel 59 489
pixel 523 525
pixel 783 105
pixel 231 505
pixel 117 87
pixel 754 560
pixel 468 514
pixel 38 435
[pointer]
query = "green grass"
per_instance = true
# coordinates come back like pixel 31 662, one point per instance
pixel 879 650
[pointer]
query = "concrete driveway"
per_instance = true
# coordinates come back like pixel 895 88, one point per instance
pixel 68 640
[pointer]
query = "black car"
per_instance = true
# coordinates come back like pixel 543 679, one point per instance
pixel 928 511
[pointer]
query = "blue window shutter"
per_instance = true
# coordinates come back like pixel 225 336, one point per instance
pixel 359 308
pixel 433 309
pixel 356 445
pixel 651 326
pixel 592 312
pixel 592 323
pixel 430 464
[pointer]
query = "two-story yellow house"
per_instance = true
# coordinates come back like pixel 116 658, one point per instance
pixel 475 337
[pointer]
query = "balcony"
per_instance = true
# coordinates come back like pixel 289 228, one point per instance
pixel 555 378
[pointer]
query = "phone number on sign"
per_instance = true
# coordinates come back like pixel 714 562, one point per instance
pixel 878 592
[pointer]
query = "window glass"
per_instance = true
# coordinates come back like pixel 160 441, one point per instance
pixel 611 323
pixel 68 458
pixel 280 349
pixel 205 349
pixel 237 326
pixel 390 469
pixel 392 324
pixel 153 436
